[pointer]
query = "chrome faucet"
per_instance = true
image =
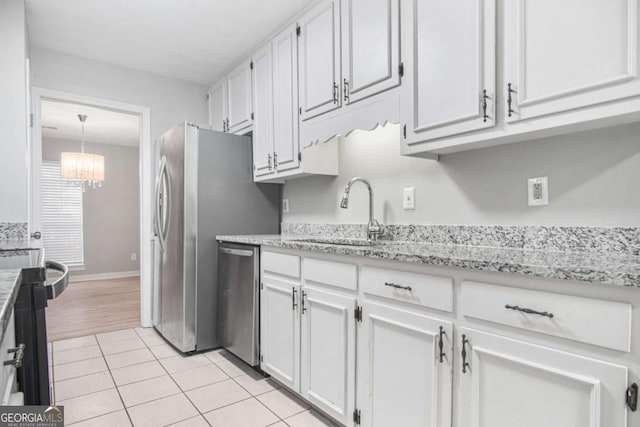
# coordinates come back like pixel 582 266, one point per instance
pixel 374 229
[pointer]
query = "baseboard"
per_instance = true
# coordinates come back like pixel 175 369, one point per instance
pixel 103 276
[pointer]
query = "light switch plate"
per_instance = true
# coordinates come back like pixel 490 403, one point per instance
pixel 538 191
pixel 409 198
pixel 285 205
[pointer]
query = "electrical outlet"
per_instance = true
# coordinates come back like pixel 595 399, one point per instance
pixel 285 205
pixel 538 191
pixel 409 198
pixel 134 257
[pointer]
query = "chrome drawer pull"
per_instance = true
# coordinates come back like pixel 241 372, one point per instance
pixel 393 285
pixel 529 311
pixel 17 360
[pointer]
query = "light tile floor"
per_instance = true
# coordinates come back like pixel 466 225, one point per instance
pixel 132 377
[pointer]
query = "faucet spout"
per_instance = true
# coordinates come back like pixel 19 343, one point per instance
pixel 374 229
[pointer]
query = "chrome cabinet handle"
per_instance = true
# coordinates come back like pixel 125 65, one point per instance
pixel 441 344
pixel 485 116
pixel 304 296
pixel 510 99
pixel 393 285
pixel 294 291
pixel 275 160
pixel 465 364
pixel 346 90
pixel 17 359
pixel 269 161
pixel 335 93
pixel 36 235
pixel 529 311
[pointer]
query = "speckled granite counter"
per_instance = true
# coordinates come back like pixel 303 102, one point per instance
pixel 15 255
pixel 611 268
pixel 9 286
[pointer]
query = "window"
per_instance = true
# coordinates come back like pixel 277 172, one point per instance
pixel 61 217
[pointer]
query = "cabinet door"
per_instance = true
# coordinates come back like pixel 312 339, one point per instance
pixel 401 379
pixel 561 55
pixel 217 107
pixel 239 98
pixel 280 331
pixel 319 61
pixel 263 115
pixel 285 97
pixel 328 352
pixel 370 47
pixel 512 383
pixel 449 63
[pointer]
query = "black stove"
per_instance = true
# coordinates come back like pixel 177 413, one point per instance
pixel 30 318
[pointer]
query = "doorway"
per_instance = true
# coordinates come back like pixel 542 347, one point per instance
pixel 104 233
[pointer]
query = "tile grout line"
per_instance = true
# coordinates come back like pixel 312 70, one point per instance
pixel 258 400
pixel 158 360
pixel 99 391
pixel 177 385
pixel 114 382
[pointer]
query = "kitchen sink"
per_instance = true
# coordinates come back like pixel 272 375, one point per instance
pixel 340 241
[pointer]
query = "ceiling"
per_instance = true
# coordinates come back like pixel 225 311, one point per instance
pixel 194 40
pixel 102 126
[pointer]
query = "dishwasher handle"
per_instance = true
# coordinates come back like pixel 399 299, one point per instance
pixel 237 252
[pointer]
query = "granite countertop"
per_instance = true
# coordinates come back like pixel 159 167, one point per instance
pixel 9 286
pixel 607 268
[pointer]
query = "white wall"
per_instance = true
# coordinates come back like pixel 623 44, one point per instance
pixel 111 213
pixel 171 101
pixel 13 112
pixel 594 180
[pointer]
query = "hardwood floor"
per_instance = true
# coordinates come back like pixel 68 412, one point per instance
pixel 88 308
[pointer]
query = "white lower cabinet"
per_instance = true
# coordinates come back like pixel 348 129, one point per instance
pixel 375 345
pixel 328 349
pixel 509 382
pixel 404 368
pixel 280 331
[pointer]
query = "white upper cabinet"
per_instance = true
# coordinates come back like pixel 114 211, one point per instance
pixel 450 77
pixel 239 98
pixel 370 47
pixel 562 55
pixel 218 107
pixel 263 105
pixel 319 49
pixel 285 100
pixel 508 383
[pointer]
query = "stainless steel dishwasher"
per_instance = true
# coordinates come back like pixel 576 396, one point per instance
pixel 238 300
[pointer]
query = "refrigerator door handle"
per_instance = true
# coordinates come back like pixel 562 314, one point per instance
pixel 167 220
pixel 158 211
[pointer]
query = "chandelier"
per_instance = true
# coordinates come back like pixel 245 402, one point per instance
pixel 82 169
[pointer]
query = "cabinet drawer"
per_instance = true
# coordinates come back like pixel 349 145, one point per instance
pixel 340 274
pixel 588 320
pixel 287 265
pixel 413 288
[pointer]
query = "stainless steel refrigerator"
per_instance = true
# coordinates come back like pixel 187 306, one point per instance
pixel 204 188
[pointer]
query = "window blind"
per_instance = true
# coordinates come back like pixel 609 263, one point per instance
pixel 61 217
